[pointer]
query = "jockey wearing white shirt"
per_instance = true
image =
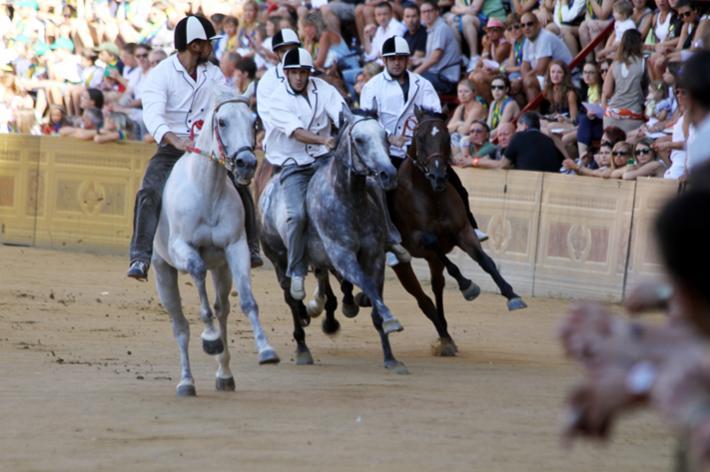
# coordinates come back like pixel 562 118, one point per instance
pixel 177 94
pixel 282 42
pixel 393 94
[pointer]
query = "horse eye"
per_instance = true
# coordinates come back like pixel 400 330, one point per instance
pixel 221 123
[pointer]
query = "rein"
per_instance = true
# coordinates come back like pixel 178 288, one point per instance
pixel 421 165
pixel 221 157
pixel 351 147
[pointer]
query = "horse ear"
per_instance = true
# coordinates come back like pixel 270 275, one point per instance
pixel 346 116
pixel 418 112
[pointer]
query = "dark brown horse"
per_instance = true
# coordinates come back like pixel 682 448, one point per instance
pixel 432 218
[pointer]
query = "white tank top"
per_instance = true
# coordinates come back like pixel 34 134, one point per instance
pixel 678 157
pixel 661 29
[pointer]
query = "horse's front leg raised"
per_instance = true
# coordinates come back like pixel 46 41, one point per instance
pixel 470 244
pixel 345 262
pixel 222 280
pixel 239 264
pixel 166 281
pixel 187 258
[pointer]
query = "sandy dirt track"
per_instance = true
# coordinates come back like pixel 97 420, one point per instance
pixel 88 381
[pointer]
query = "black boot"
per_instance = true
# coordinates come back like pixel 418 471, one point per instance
pixel 250 225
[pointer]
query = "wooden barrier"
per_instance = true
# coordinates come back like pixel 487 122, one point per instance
pixel 550 234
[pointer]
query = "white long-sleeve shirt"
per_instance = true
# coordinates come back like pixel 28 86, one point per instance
pixel 291 111
pixel 394 28
pixel 173 101
pixel 383 94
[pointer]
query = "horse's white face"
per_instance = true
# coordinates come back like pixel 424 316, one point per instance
pixel 370 153
pixel 234 123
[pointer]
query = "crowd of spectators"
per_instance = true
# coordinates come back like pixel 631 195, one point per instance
pixel 77 68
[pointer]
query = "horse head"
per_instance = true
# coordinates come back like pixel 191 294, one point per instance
pixel 363 149
pixel 232 126
pixel 431 147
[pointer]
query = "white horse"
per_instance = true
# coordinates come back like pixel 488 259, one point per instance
pixel 201 228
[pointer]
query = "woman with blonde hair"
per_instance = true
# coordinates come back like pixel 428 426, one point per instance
pixel 471 108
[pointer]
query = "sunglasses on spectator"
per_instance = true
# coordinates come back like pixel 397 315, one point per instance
pixel 529 24
pixel 620 153
pixel 643 151
pixel 428 10
pixel 141 56
pixel 588 71
pixel 497 87
pixel 477 130
pixel 686 14
pixel 606 143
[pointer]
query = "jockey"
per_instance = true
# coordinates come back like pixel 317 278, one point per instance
pixel 176 100
pixel 282 42
pixel 392 95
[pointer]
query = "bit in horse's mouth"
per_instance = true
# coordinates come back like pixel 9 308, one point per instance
pixel 243 181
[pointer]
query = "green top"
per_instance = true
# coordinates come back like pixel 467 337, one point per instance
pixel 493 9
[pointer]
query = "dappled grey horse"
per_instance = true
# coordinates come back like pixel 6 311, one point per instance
pixel 346 229
pixel 202 228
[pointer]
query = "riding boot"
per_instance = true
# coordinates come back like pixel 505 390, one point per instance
pixel 454 180
pixel 146 213
pixel 251 226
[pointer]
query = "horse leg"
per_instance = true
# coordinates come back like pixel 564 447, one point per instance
pixel 350 307
pixel 470 290
pixel 330 325
pixel 470 244
pixel 166 281
pixel 222 281
pixel 390 362
pixel 298 309
pixel 348 266
pixel 446 346
pixel 187 258
pixel 239 264
pixel 317 304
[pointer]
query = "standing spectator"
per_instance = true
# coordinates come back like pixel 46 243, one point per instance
pixel 442 64
pixel 540 48
pixel 528 150
pixel 503 108
pixel 415 34
pixel 247 25
pixel 623 95
pixel 131 101
pixel 682 134
pixel 471 108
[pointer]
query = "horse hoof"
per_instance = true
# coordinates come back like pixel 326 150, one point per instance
pixel 304 358
pixel 397 367
pixel 213 347
pixel 225 385
pixel 472 292
pixel 444 349
pixel 330 327
pixel 350 311
pixel 392 326
pixel 516 303
pixel 314 308
pixel 186 390
pixel 362 300
pixel 268 356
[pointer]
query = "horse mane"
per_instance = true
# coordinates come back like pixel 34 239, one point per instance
pixel 428 112
pixel 365 113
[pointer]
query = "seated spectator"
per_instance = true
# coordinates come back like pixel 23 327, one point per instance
pixel 415 34
pixel 228 64
pixel 621 157
pixel 91 120
pixel 642 16
pixel 503 108
pixel 596 19
pixel 328 49
pixel 55 120
pixel 116 129
pixel 273 26
pixel 659 106
pixel 622 95
pixel 623 9
pixel 247 25
pixel 590 127
pixel 612 135
pixel 387 26
pixel 504 134
pixel 647 162
pixel 368 71
pixel 476 146
pixel 668 34
pixel 512 65
pixel 539 50
pixel 442 64
pixel 244 77
pixel 661 26
pixel 495 50
pixel 465 22
pixel 560 105
pixel 567 15
pixel 156 56
pixel 471 108
pixel 686 41
pixel 528 150
pixel 602 161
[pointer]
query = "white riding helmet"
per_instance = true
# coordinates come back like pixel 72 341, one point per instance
pixel 395 46
pixel 297 58
pixel 285 37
